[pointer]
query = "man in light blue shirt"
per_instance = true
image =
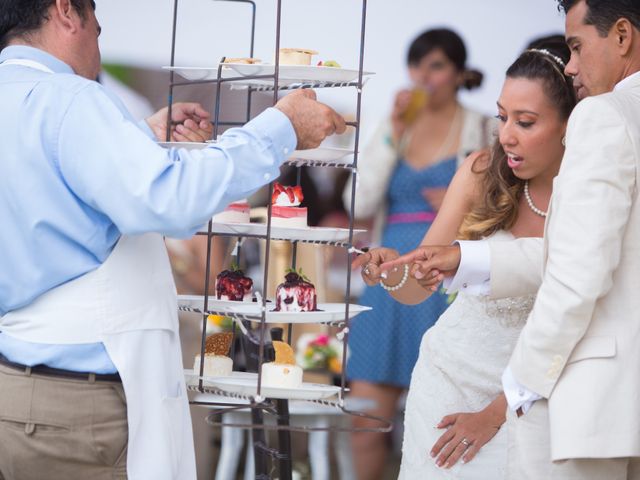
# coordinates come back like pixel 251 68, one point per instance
pixel 77 171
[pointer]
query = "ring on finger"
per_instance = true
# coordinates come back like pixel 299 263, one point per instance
pixel 465 442
pixel 366 269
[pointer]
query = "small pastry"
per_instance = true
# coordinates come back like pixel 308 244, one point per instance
pixel 216 361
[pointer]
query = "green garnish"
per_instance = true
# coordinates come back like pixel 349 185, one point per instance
pixel 299 273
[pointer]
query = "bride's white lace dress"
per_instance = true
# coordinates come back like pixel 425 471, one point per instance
pixel 461 360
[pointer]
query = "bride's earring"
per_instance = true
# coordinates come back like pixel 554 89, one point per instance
pixel 564 141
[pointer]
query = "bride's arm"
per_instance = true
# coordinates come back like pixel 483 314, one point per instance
pixel 467 433
pixel 465 189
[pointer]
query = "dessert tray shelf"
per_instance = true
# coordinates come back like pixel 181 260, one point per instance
pixel 246 385
pixel 311 400
pixel 317 163
pixel 244 84
pixel 317 235
pixel 336 157
pixel 297 86
pixel 261 76
pixel 328 313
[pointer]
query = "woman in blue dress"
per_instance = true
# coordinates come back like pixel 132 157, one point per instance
pixel 402 177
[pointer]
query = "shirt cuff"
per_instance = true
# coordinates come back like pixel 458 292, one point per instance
pixel 473 274
pixel 276 127
pixel 517 395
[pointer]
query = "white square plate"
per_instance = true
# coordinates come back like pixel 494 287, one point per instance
pixel 249 387
pixel 338 155
pixel 308 234
pixel 244 383
pixel 328 313
pixel 288 74
pixel 196 302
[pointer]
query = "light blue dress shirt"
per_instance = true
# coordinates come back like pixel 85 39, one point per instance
pixel 77 172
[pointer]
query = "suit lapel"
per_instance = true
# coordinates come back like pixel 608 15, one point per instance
pixel 545 240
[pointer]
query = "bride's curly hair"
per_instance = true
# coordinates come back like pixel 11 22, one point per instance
pixel 502 190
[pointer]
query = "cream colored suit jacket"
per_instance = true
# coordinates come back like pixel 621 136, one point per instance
pixel 581 345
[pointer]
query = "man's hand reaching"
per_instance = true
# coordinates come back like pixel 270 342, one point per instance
pixel 312 121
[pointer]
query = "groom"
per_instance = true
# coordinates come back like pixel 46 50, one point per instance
pixel 573 382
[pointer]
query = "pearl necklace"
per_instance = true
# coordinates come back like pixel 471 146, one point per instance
pixel 533 208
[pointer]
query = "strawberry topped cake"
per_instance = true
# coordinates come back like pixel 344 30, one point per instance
pixel 286 210
pixel 296 294
pixel 233 285
pixel 236 212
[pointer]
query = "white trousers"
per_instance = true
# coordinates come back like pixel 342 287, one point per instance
pixel 529 453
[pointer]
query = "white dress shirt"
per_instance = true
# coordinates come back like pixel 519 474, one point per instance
pixel 473 273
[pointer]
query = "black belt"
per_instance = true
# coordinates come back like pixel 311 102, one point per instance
pixel 56 372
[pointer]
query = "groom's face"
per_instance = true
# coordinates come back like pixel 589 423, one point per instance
pixel 594 62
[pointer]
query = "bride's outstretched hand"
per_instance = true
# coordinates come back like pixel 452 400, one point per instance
pixel 429 264
pixel 370 263
pixel 466 434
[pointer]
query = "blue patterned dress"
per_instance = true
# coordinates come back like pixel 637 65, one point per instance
pixel 384 342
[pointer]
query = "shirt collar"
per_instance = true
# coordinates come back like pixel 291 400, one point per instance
pixel 627 81
pixel 36 55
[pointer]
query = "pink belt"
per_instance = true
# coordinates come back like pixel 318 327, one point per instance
pixel 414 217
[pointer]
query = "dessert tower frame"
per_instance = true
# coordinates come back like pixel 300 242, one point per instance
pixel 254 340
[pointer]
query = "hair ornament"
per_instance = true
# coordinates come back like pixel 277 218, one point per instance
pixel 547 53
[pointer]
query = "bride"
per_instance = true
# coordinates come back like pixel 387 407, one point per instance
pixel 455 406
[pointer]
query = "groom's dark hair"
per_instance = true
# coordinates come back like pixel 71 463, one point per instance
pixel 602 14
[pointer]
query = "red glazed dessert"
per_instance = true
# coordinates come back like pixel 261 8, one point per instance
pixel 296 294
pixel 233 285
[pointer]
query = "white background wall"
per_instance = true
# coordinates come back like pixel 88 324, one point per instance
pixel 138 32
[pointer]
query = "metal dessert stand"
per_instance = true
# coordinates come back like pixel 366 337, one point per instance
pixel 253 327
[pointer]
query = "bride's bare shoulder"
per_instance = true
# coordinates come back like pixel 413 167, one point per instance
pixel 471 172
pixel 476 163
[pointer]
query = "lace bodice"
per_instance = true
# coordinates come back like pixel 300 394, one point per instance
pixel 474 339
pixel 507 312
